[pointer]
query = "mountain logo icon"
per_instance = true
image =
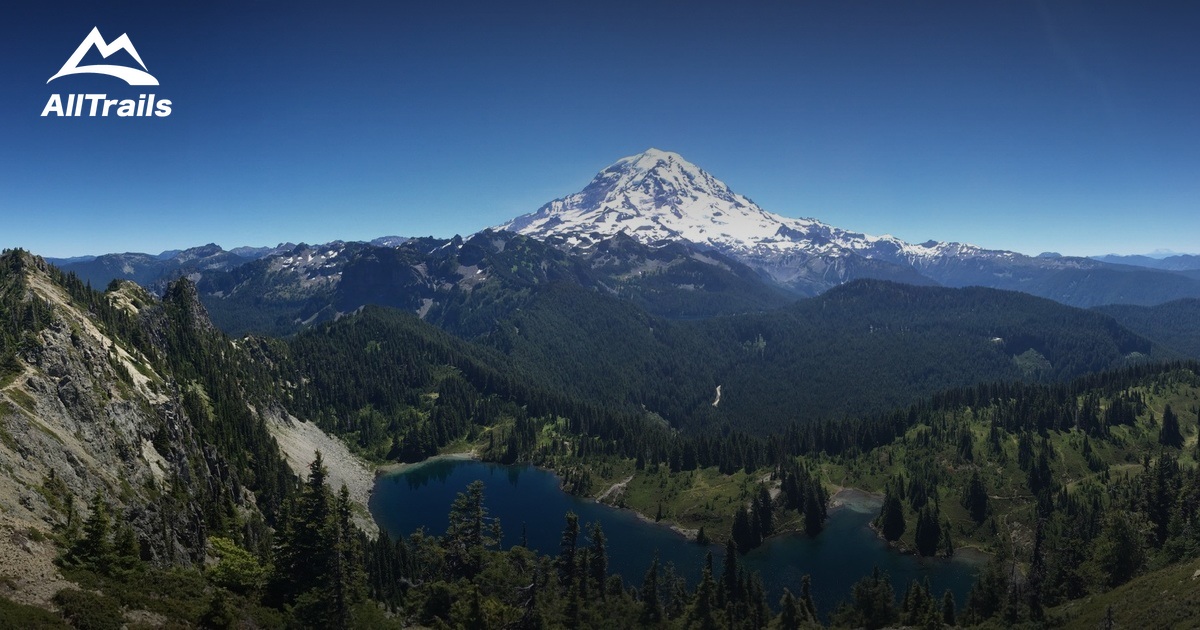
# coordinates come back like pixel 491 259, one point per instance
pixel 132 76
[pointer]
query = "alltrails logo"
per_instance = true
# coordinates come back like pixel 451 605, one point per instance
pixel 100 104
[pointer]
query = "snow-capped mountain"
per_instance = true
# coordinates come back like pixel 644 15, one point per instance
pixel 659 196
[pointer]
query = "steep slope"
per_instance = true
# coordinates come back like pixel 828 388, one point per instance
pixel 872 345
pixel 136 401
pixel 1166 598
pixel 84 412
pixel 659 196
pixel 277 294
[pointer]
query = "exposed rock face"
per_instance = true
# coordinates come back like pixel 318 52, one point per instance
pixel 84 412
pixel 90 416
pixel 300 440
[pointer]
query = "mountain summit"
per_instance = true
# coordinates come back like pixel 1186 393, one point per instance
pixel 653 196
pixel 658 195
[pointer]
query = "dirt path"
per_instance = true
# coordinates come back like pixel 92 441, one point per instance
pixel 718 400
pixel 616 487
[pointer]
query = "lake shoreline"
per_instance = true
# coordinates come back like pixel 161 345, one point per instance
pixel 844 552
pixel 854 499
pixel 401 468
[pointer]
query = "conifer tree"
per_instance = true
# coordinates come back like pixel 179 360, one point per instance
pixel 765 509
pixel 929 531
pixel 806 600
pixel 469 532
pixel 1170 433
pixel 652 611
pixel 948 616
pixel 94 549
pixel 598 559
pixel 703 614
pixel 815 500
pixel 789 614
pixel 742 533
pixel 891 517
pixel 566 554
pixel 976 499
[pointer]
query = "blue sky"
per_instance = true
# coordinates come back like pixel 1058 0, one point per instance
pixel 1024 125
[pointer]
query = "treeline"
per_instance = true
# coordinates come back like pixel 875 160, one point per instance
pixel 1042 486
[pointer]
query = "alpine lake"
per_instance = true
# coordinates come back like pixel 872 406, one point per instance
pixel 529 501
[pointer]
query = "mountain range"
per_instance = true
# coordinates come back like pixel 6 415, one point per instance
pixel 659 196
pixel 652 227
pixel 654 329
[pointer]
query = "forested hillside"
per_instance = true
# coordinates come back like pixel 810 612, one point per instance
pixel 864 347
pixel 181 510
pixel 1174 324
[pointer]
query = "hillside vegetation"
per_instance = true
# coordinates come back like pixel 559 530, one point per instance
pixel 181 510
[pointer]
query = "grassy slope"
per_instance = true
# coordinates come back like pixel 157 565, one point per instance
pixel 1012 505
pixel 1167 598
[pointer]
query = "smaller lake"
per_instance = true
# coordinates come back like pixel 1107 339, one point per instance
pixel 522 495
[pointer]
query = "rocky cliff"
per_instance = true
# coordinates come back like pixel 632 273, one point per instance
pixel 133 399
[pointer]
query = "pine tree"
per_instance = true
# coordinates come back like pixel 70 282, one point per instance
pixel 598 559
pixel 127 552
pixel 566 553
pixel 765 509
pixel 872 604
pixel 316 558
pixel 742 533
pixel 345 585
pixel 703 614
pixel 891 517
pixel 815 501
pixel 806 600
pixel 1170 434
pixel 929 531
pixel 730 586
pixel 94 549
pixel 948 616
pixel 652 611
pixel 976 499
pixel 790 615
pixel 469 533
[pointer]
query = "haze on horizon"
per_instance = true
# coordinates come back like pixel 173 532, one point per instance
pixel 1029 126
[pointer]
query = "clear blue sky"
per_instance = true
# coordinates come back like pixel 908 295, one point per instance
pixel 1058 125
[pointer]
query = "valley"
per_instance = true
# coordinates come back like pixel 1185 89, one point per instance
pixel 758 397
